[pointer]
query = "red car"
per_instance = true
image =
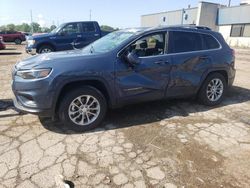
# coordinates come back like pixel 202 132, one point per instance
pixel 2 45
pixel 12 36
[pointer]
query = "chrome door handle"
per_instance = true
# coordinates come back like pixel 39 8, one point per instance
pixel 75 43
pixel 204 57
pixel 161 62
pixel 96 35
pixel 79 36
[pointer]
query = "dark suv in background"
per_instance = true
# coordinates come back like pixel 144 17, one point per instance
pixel 124 67
pixel 65 37
pixel 12 36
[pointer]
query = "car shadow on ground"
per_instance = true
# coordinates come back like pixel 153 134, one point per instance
pixel 7 104
pixel 151 112
pixel 10 53
pixel 7 48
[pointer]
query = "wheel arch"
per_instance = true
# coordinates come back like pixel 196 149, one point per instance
pixel 220 71
pixel 17 38
pixel 45 44
pixel 95 83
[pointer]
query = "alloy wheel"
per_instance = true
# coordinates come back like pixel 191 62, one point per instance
pixel 46 50
pixel 84 110
pixel 215 89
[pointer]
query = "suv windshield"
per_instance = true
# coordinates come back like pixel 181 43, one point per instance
pixel 108 42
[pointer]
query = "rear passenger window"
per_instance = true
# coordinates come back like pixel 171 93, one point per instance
pixel 88 27
pixel 185 42
pixel 210 42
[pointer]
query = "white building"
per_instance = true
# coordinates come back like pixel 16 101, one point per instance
pixel 232 22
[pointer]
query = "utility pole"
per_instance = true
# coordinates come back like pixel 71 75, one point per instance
pixel 31 21
pixel 90 14
pixel 182 15
pixel 229 3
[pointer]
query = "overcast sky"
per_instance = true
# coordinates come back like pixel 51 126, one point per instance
pixel 116 13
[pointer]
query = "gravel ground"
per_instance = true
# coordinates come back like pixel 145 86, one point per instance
pixel 176 143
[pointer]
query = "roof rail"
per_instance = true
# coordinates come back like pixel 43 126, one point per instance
pixel 197 27
pixel 203 27
pixel 192 27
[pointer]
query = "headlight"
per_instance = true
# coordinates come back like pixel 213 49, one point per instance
pixel 34 73
pixel 31 42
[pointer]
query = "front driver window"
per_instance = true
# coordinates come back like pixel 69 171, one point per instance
pixel 71 29
pixel 151 45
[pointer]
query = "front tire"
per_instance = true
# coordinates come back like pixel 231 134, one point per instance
pixel 18 41
pixel 213 90
pixel 83 109
pixel 45 49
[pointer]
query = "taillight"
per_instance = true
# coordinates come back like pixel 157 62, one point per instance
pixel 233 52
pixel 233 58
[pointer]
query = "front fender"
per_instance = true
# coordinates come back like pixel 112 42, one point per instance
pixel 60 86
pixel 39 43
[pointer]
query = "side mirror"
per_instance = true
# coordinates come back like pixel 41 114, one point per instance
pixel 132 58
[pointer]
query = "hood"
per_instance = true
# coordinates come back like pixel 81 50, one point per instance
pixel 44 35
pixel 49 58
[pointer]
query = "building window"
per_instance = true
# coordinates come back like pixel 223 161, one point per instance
pixel 240 30
pixel 237 30
pixel 246 32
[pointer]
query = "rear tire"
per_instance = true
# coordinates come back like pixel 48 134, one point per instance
pixel 213 89
pixel 18 41
pixel 82 109
pixel 45 49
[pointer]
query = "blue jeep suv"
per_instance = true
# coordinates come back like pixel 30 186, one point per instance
pixel 124 67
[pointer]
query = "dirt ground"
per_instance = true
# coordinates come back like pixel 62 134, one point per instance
pixel 176 143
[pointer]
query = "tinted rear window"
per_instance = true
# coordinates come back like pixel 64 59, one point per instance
pixel 210 42
pixel 185 42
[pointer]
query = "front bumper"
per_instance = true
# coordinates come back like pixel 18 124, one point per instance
pixel 40 112
pixel 30 50
pixel 34 97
